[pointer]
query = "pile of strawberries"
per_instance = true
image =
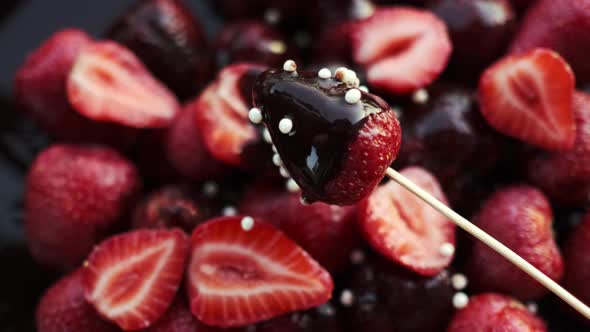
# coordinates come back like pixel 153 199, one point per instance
pixel 159 204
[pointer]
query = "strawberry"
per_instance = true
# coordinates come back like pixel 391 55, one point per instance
pixel 402 49
pixel 108 83
pixel 521 218
pixel 337 151
pixel 243 271
pixel 327 232
pixel 529 97
pixel 63 308
pixel 132 278
pixel 40 90
pixel 74 196
pixel 169 40
pixel 495 312
pixel 406 230
pixel 565 176
pixel 222 117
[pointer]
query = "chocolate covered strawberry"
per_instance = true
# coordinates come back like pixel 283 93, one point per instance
pixel 333 139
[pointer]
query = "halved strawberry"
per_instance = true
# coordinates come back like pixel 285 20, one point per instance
pixel 529 97
pixel 132 278
pixel 109 83
pixel 222 115
pixel 237 276
pixel 402 49
pixel 406 230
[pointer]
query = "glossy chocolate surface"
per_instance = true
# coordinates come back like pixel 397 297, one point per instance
pixel 324 124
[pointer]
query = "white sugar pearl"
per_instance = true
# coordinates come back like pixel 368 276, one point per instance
pixel 276 159
pixel 290 66
pixel 347 298
pixel 357 257
pixel 353 96
pixel 284 172
pixel 324 73
pixel 285 125
pixel 460 300
pixel 247 223
pixel 292 186
pixel 272 16
pixel 210 188
pixel 266 136
pixel 532 307
pixel 447 249
pixel 459 281
pixel 364 88
pixel 255 115
pixel 420 96
pixel 229 211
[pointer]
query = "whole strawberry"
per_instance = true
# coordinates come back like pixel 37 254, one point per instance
pixel 74 196
pixel 63 308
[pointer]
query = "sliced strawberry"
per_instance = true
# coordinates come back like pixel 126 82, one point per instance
pixel 132 278
pixel 109 83
pixel 406 230
pixel 237 277
pixel 402 49
pixel 222 116
pixel 529 97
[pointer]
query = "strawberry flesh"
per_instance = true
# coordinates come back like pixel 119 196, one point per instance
pixel 529 97
pixel 237 277
pixel 337 152
pixel 402 49
pixel 132 278
pixel 406 230
pixel 109 83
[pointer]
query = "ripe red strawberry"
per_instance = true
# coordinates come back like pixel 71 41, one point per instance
pixel 560 26
pixel 521 218
pixel 185 148
pixel 529 97
pixel 406 230
pixel 243 271
pixel 169 41
pixel 222 117
pixel 327 232
pixel 74 196
pixel 577 261
pixel 108 83
pixel 336 151
pixel 63 308
pixel 565 176
pixel 132 278
pixel 40 89
pixel 402 49
pixel 497 313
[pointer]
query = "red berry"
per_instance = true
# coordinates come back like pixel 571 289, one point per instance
pixel 241 273
pixel 565 176
pixel 337 151
pixel 561 26
pixel 169 41
pixel 520 217
pixel 402 49
pixel 73 198
pixel 327 232
pixel 406 230
pixel 185 148
pixel 40 89
pixel 227 133
pixel 529 97
pixel 577 261
pixel 63 308
pixel 495 312
pixel 132 278
pixel 168 207
pixel 108 83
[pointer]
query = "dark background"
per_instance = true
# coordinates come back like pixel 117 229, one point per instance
pixel 23 26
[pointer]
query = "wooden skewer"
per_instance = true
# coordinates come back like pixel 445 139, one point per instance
pixel 496 245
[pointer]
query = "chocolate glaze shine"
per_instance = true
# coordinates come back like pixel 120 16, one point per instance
pixel 324 124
